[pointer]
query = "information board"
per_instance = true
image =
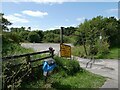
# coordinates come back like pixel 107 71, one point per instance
pixel 65 50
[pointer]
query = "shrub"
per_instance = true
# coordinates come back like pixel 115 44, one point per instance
pixel 103 49
pixel 33 37
pixel 70 66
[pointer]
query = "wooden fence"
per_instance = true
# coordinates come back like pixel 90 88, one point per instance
pixel 9 81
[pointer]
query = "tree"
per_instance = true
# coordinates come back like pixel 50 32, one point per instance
pixel 29 28
pixel 69 31
pixel 88 34
pixel 4 22
pixel 40 33
pixel 21 32
pixel 51 37
pixel 17 30
pixel 33 37
pixel 111 27
pixel 24 35
pixel 8 38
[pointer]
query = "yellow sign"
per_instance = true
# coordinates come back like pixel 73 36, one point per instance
pixel 65 50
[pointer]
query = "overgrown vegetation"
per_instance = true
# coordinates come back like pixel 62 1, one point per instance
pixel 98 35
pixel 67 74
pixel 70 67
pixel 11 47
pixel 113 53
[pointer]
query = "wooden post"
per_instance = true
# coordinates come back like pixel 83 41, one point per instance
pixel 51 51
pixel 28 63
pixel 61 35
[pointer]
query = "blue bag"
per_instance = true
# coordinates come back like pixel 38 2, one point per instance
pixel 48 65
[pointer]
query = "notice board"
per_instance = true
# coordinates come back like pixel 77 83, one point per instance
pixel 65 50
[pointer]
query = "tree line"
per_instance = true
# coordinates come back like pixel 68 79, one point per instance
pixel 87 32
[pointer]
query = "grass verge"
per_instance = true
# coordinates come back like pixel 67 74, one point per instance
pixel 58 80
pixel 113 53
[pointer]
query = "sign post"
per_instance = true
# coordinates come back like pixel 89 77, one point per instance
pixel 65 50
pixel 61 35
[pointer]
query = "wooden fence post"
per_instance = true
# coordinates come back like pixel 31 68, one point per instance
pixel 29 68
pixel 61 35
pixel 28 61
pixel 51 51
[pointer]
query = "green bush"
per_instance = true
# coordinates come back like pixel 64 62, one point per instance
pixel 33 37
pixel 70 66
pixel 103 49
pixel 14 49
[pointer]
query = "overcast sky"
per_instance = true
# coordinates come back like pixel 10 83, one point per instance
pixel 46 16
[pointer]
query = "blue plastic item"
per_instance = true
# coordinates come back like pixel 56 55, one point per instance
pixel 47 67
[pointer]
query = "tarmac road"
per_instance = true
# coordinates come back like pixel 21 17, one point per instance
pixel 104 67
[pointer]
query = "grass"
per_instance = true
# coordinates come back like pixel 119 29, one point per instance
pixel 113 54
pixel 79 80
pixel 59 78
pixel 79 51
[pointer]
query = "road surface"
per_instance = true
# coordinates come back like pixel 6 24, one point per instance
pixel 107 68
pixel 43 46
pixel 104 67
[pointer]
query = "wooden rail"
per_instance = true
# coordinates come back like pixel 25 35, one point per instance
pixel 23 55
pixel 27 64
pixel 28 59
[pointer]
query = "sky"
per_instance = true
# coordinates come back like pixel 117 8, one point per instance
pixel 53 15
